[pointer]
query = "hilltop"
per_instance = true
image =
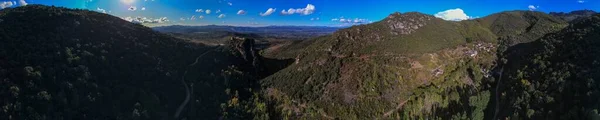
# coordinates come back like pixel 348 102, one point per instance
pixel 573 15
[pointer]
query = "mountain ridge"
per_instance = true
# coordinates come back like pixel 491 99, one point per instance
pixel 358 72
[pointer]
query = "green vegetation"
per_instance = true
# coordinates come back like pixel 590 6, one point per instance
pixel 558 79
pixel 58 63
pixel 408 66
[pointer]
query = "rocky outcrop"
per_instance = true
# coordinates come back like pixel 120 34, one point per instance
pixel 403 24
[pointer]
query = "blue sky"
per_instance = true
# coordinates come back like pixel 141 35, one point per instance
pixel 303 13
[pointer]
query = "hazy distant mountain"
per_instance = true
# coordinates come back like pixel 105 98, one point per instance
pixel 573 15
pixel 291 32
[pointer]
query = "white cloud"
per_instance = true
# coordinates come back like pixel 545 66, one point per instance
pixel 22 3
pixel 207 11
pixel 6 4
pixel 200 17
pixel 193 17
pixel 349 20
pixel 182 19
pixel 229 3
pixel 241 12
pixel 268 12
pixel 140 20
pixel 143 8
pixel 580 1
pixel 312 19
pixel 132 8
pixel 453 15
pixel 309 9
pixel 221 16
pixel 218 11
pixel 101 10
pixel 199 10
pixel 533 8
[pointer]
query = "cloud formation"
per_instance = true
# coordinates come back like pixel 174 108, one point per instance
pixel 350 20
pixel 221 16
pixel 268 12
pixel 143 8
pixel 309 9
pixel 199 10
pixel 241 12
pixel 533 8
pixel 453 15
pixel 6 4
pixel 580 1
pixel 101 10
pixel 312 19
pixel 141 20
pixel 22 3
pixel 229 3
pixel 207 11
pixel 218 11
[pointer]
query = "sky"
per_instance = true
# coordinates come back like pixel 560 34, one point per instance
pixel 299 12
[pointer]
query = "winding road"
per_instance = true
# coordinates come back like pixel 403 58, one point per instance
pixel 187 89
pixel 498 94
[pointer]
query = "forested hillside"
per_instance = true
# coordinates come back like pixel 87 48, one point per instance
pixel 413 66
pixel 58 63
pixel 558 78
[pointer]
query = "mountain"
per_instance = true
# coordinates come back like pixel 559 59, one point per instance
pixel 407 66
pixel 283 32
pixel 58 63
pixel 574 15
pixel 516 27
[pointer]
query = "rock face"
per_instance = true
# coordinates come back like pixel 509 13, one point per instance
pixel 406 23
pixel 245 48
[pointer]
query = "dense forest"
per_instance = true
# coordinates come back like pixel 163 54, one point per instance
pixel 59 63
pixel 557 77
